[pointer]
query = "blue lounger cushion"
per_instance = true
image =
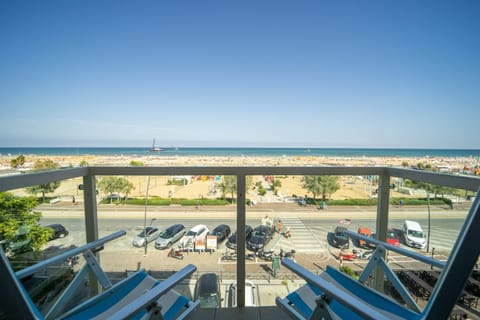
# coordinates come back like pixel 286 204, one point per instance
pixel 109 302
pixel 303 300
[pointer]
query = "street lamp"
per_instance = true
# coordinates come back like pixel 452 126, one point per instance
pixel 145 217
pixel 428 208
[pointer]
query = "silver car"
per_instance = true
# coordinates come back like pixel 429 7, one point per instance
pixel 151 233
pixel 170 235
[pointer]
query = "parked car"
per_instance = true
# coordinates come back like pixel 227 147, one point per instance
pixel 250 295
pixel 413 234
pixel 261 235
pixel 207 291
pixel 197 232
pixel 232 240
pixel 149 234
pixel 59 231
pixel 393 238
pixel 170 235
pixel 222 231
pixel 340 238
pixel 364 232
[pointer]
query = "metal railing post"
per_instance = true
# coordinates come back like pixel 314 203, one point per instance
pixel 382 222
pixel 91 222
pixel 241 221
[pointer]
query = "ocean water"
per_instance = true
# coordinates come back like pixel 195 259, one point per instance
pixel 235 152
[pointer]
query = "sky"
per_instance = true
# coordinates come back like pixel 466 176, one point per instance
pixel 386 74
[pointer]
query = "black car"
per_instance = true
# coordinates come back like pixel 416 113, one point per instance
pixel 207 291
pixel 222 231
pixel 340 238
pixel 260 237
pixel 232 241
pixel 58 231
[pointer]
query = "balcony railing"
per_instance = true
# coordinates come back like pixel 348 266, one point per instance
pixel 384 174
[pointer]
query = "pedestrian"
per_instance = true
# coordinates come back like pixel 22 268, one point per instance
pixel 287 233
pixel 279 226
pixel 266 221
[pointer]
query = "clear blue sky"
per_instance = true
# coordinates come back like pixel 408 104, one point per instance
pixel 240 73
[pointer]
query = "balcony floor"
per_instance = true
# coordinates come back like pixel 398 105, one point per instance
pixel 250 313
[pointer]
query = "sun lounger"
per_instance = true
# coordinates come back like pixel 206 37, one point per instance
pixel 335 295
pixel 139 296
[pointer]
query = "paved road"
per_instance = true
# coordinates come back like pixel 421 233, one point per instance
pixel 307 231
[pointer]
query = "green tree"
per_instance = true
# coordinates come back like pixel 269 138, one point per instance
pixel 229 185
pixel 321 185
pixel 17 162
pixel 135 163
pixel 83 163
pixel 17 212
pixel 113 185
pixel 44 165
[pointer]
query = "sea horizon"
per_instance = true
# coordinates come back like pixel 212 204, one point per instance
pixel 241 151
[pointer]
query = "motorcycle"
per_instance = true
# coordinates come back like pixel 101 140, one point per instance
pixel 175 254
pixel 287 254
pixel 265 255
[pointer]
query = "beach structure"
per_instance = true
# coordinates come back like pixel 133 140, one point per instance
pixel 330 292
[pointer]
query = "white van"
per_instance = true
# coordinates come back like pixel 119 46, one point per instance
pixel 413 234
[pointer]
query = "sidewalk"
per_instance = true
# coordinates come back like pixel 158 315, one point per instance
pixel 257 211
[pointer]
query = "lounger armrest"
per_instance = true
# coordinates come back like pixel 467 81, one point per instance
pixel 191 306
pixel 70 253
pixel 355 304
pixel 153 294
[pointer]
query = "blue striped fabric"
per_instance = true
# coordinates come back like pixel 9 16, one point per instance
pixel 303 299
pixel 172 303
pixel 106 301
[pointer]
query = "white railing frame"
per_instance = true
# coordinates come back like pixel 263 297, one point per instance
pixel 470 183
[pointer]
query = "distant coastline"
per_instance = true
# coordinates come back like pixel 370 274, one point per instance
pixel 243 152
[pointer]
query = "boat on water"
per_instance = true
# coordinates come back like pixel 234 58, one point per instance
pixel 155 149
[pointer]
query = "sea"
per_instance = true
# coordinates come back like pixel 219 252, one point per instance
pixel 243 151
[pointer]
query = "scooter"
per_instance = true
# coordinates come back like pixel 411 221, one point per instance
pixel 175 254
pixel 265 255
pixel 287 254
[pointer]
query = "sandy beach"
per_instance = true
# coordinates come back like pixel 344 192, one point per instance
pixel 351 187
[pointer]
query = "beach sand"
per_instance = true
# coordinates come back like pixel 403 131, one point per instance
pixel 351 187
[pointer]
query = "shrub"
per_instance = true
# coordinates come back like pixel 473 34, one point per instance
pixel 349 271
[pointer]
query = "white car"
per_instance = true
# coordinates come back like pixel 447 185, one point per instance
pixel 200 231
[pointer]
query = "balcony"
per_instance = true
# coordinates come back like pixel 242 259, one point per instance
pixel 238 271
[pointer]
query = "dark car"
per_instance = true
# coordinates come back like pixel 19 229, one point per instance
pixel 207 291
pixel 58 231
pixel 222 231
pixel 232 241
pixel 340 238
pixel 170 235
pixel 260 237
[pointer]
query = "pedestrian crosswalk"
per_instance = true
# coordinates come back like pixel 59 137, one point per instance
pixel 302 239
